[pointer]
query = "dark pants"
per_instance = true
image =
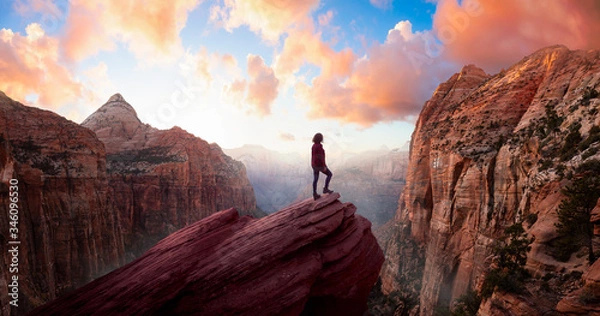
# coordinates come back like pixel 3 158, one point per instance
pixel 316 171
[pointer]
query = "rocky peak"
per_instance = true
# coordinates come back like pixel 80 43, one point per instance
pixel 116 109
pixel 115 123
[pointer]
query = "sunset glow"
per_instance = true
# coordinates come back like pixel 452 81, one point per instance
pixel 271 72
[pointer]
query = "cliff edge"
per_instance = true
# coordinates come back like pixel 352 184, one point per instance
pixel 310 258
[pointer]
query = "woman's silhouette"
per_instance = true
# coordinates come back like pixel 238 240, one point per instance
pixel 318 165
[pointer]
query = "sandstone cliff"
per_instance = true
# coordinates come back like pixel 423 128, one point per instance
pixel 67 226
pixel 310 258
pixel 163 180
pixel 488 152
pixel 90 202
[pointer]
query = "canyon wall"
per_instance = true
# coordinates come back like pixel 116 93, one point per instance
pixel 68 226
pixel 162 180
pixel 95 196
pixel 483 156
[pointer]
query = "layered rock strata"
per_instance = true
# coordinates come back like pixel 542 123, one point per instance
pixel 68 227
pixel 488 152
pixel 310 258
pixel 163 180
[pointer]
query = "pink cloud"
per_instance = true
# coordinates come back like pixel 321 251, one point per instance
pixel 30 64
pixel 305 46
pixel 262 87
pixel 269 18
pixel 150 29
pixel 390 83
pixel 495 34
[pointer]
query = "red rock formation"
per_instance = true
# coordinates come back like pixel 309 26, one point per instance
pixel 315 257
pixel 68 228
pixel 482 158
pixel 163 180
pixel 78 221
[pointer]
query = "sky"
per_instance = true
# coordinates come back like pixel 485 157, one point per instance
pixel 271 72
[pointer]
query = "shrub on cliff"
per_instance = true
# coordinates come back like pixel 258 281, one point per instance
pixel 574 212
pixel 509 258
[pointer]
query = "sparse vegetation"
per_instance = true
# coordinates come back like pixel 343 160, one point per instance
pixel 594 136
pixel 571 144
pixel 588 94
pixel 509 261
pixel 574 212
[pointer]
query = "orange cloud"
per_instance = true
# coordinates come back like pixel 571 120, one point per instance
pixel 151 29
pixel 390 83
pixel 495 34
pixel 262 87
pixel 269 18
pixel 304 46
pixel 257 94
pixel 30 65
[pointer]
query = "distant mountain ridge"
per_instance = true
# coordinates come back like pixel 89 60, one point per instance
pixel 372 179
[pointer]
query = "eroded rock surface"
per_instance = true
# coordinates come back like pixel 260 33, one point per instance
pixel 314 257
pixel 485 154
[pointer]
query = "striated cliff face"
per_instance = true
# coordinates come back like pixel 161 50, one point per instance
pixel 68 227
pixel 90 202
pixel 483 157
pixel 310 258
pixel 163 180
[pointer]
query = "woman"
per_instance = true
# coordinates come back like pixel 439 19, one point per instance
pixel 318 165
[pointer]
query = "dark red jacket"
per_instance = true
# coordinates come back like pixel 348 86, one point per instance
pixel 318 156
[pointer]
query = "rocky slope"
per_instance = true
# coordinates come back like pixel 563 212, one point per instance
pixel 68 227
pixel 311 258
pixel 162 180
pixel 488 152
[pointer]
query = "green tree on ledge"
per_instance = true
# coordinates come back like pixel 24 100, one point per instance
pixel 509 261
pixel 574 212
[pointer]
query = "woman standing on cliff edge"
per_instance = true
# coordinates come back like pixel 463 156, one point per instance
pixel 318 165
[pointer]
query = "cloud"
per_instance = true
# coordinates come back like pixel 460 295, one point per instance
pixel 30 64
pixel 495 34
pixel 381 4
pixel 268 18
pixel 390 83
pixel 289 137
pixel 325 18
pixel 262 87
pixel 98 84
pixel 256 95
pixel 305 46
pixel 150 29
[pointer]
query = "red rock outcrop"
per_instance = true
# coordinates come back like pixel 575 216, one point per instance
pixel 586 300
pixel 68 229
pixel 163 180
pixel 311 258
pixel 483 157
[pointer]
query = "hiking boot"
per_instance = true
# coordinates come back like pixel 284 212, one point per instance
pixel 327 191
pixel 316 196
